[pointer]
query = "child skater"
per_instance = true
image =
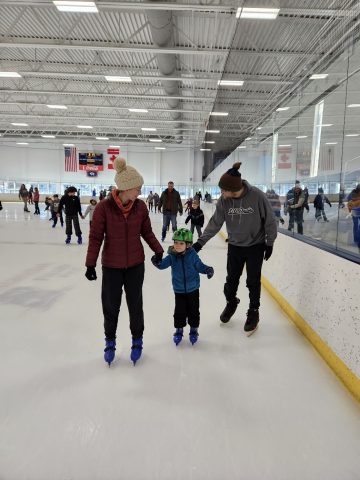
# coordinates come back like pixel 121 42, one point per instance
pixel 185 268
pixel 90 209
pixel 196 216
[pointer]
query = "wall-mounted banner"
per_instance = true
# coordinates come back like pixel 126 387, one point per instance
pixel 284 157
pixel 112 154
pixel 91 161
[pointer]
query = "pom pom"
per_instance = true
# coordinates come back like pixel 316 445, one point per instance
pixel 119 164
pixel 236 165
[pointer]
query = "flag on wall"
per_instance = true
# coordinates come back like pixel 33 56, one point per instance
pixel 70 159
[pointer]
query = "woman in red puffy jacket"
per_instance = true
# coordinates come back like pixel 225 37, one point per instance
pixel 120 221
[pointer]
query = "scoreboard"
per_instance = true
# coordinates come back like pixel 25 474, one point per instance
pixel 91 161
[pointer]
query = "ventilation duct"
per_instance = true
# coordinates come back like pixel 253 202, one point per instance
pixel 162 32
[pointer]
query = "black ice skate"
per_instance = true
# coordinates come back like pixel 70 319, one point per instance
pixel 252 321
pixel 229 310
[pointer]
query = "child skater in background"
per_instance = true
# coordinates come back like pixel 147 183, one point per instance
pixel 196 215
pixel 185 268
pixel 90 209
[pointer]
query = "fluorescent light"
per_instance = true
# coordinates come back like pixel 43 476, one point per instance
pixel 212 131
pixel 114 78
pixel 20 124
pixel 114 146
pixel 138 110
pixel 282 109
pixel 48 136
pixel 209 141
pixel 284 145
pixel 352 135
pixel 354 105
pixel 219 114
pixel 68 144
pixel 331 143
pixel 146 129
pixel 10 75
pixel 72 6
pixel 84 126
pixel 257 13
pixel 242 146
pixel 258 128
pixel 302 136
pixel 325 125
pixel 102 138
pixel 155 140
pixel 22 143
pixel 318 76
pixel 231 83
pixel 160 148
pixel 248 138
pixel 205 149
pixel 59 107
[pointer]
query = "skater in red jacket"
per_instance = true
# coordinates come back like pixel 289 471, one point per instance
pixel 120 221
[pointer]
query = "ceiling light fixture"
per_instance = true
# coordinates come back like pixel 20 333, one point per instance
pixel 205 149
pixel 48 136
pixel 10 75
pixel 242 146
pixel 284 145
pixel 59 107
pixel 212 131
pixel 325 125
pixel 302 136
pixel 248 138
pixel 352 135
pixel 84 126
pixel 22 143
pixel 354 105
pixel 68 144
pixel 319 76
pixel 20 124
pixel 160 148
pixel 219 114
pixel 231 83
pixel 114 78
pixel 75 6
pixel 208 141
pixel 148 129
pixel 282 109
pixel 102 138
pixel 257 13
pixel 158 140
pixel 331 143
pixel 114 146
pixel 138 110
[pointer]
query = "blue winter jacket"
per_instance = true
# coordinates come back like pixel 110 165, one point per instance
pixel 185 269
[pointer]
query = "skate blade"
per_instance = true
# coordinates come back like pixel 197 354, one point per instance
pixel 248 334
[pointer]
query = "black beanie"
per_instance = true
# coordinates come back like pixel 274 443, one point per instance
pixel 231 180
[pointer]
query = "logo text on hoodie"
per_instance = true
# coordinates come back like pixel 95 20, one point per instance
pixel 240 211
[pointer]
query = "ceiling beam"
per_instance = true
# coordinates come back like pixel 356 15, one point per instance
pixel 190 7
pixel 111 47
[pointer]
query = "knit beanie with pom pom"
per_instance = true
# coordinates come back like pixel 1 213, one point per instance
pixel 231 180
pixel 126 177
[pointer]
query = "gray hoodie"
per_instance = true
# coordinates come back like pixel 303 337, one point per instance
pixel 249 219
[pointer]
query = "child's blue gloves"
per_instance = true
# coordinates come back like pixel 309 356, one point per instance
pixel 156 259
pixel 209 272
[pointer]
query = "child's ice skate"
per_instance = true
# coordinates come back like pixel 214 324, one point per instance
pixel 193 335
pixel 178 335
pixel 68 239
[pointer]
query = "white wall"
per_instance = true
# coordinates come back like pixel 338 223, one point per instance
pixel 45 162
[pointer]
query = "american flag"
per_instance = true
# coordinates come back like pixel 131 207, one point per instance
pixel 70 159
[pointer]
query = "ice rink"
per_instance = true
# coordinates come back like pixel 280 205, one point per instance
pixel 230 407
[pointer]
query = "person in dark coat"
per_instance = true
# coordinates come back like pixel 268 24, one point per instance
pixel 170 205
pixel 319 204
pixel 196 217
pixel 120 221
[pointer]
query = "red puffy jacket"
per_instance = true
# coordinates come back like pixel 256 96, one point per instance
pixel 121 236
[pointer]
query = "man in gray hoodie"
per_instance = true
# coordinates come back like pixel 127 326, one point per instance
pixel 251 229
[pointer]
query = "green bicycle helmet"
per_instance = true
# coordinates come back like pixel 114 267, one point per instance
pixel 183 235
